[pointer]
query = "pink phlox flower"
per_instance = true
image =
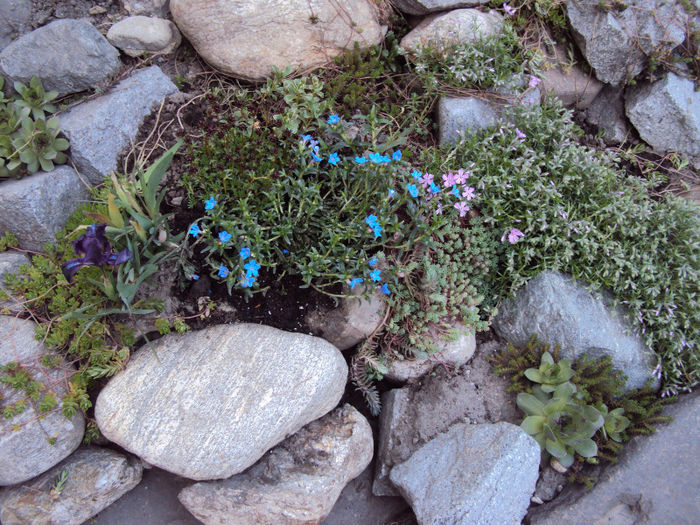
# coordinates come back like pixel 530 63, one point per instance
pixel 534 81
pixel 515 235
pixel 519 134
pixel 461 176
pixel 427 179
pixel 462 208
pixel 438 210
pixel 468 193
pixel 448 180
pixel 510 11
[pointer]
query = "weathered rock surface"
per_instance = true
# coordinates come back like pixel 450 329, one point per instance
pixel 208 404
pixel 413 415
pixel 35 208
pixel 100 129
pixel 14 17
pixel 451 353
pixel 560 311
pixel 146 7
pixel 460 25
pixel 421 7
pixel 67 55
pixel 249 38
pixel 607 112
pixel 458 117
pixel 136 35
pixel 349 324
pixel 26 452
pixel 296 482
pixel 471 474
pixel 10 263
pixel 616 43
pixel 96 478
pixel 666 114
pixel 657 479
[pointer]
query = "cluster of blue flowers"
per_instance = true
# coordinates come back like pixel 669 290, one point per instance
pixel 251 269
pixel 373 223
pixel 375 276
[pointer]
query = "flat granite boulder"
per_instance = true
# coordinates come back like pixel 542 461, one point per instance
pixel 95 478
pixel 296 482
pixel 208 404
pixel 25 439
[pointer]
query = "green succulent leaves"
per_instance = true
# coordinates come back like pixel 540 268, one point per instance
pixel 35 98
pixel 550 374
pixel 39 146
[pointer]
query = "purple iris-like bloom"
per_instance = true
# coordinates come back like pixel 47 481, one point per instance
pixel 96 250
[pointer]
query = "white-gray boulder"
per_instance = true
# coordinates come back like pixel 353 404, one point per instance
pixel 33 442
pixel 421 7
pixel 137 35
pixel 248 38
pixel 607 112
pixel 666 113
pixel 15 15
pixel 471 474
pixel 35 208
pixel 208 404
pixel 458 117
pixel 296 482
pixel 146 7
pixel 100 129
pixel 67 55
pixel 560 311
pixel 95 478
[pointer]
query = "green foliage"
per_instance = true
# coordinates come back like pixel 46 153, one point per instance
pixel 8 240
pixel 59 484
pixel 550 374
pixel 582 215
pixel 28 140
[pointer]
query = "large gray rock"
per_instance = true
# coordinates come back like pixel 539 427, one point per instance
pixel 458 26
pixel 249 38
pixel 296 482
pixel 96 478
pixel 666 114
pixel 421 7
pixel 413 415
pixel 560 311
pixel 458 117
pixel 146 7
pixel 15 16
pixel 35 208
pixel 656 480
pixel 607 112
pixel 67 55
pixel 137 35
pixel 616 42
pixel 25 450
pixel 471 474
pixel 100 129
pixel 208 404
pixel 349 324
pixel 10 263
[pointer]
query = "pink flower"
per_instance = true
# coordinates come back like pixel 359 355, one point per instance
pixel 468 193
pixel 519 134
pixel 462 208
pixel 461 176
pixel 427 179
pixel 510 11
pixel 514 236
pixel 448 180
pixel 533 81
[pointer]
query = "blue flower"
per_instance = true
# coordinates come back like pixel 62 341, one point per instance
pixel 385 289
pixel 416 174
pixel 333 159
pixel 285 251
pixel 372 262
pixel 305 138
pixel 316 157
pixel 385 159
pixel 251 268
pixel 224 236
pixel 354 282
pixel 412 190
pixel 360 160
pixel 377 230
pixel 210 203
pixel 391 192
pixel 455 191
pixel 223 271
pixel 244 253
pixel 371 220
pixel 434 188
pixel 333 119
pixel 396 155
pixel 375 275
pixel 194 230
pixel 375 157
pixel 313 144
pixel 247 281
pixel 194 277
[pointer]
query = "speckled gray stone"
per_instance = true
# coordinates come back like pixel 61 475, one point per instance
pixel 607 111
pixel 471 474
pixel 421 7
pixel 15 16
pixel 208 404
pixel 459 117
pixel 560 311
pixel 296 482
pixel 25 452
pixel 96 478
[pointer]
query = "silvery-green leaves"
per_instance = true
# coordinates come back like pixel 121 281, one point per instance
pixel 35 98
pixel 550 374
pixel 38 145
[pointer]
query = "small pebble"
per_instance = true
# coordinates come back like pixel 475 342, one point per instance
pixel 97 10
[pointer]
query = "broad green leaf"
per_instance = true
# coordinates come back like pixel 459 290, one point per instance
pixel 533 424
pixel 154 174
pixel 587 448
pixel 530 404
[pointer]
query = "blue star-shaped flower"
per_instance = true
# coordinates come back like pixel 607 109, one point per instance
pixel 224 236
pixel 385 289
pixel 223 271
pixel 354 282
pixel 194 230
pixel 375 275
pixel 251 268
pixel 210 203
pixel 333 119
pixel 244 253
pixel 333 159
pixel 396 155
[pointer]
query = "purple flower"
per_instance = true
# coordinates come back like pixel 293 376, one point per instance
pixel 95 247
pixel 333 159
pixel 461 176
pixel 412 189
pixel 396 155
pixel 510 11
pixel 462 208
pixel 514 236
pixel 468 193
pixel 223 271
pixel 360 160
pixel 210 203
pixel 224 236
pixel 354 282
pixel 534 81
pixel 519 134
pixel 427 179
pixel 375 275
pixel 448 179
pixel 333 119
pixel 194 230
pixel 251 268
pixel 244 253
